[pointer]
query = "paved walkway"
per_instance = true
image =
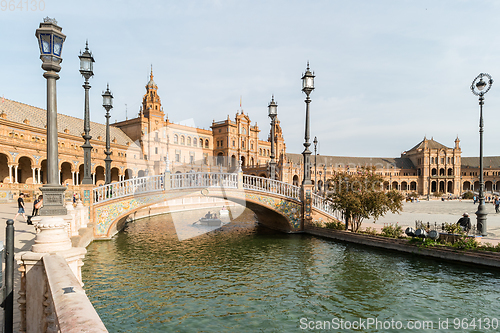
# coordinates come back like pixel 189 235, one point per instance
pixel 24 238
pixel 437 211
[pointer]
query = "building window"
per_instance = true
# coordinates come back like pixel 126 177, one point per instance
pixel 206 143
pixel 217 143
pixel 195 142
pixel 234 143
pixel 201 143
pixel 189 141
pixel 183 140
pixel 156 150
pixel 176 139
pixel 205 158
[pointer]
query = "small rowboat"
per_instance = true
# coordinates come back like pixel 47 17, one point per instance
pixel 209 222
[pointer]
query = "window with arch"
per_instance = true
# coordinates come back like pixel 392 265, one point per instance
pixel 201 143
pixel 176 138
pixel 195 141
pixel 189 141
pixel 243 143
pixel 206 143
pixel 183 140
pixel 260 151
pixel 251 145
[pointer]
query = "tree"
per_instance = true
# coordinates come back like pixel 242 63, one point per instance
pixel 359 196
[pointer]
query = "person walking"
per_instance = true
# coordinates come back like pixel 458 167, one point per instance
pixel 37 205
pixel 497 204
pixel 20 207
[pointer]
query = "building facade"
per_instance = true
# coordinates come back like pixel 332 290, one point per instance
pixel 150 143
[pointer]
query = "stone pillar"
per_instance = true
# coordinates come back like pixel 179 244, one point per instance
pixel 166 180
pixel 306 198
pixel 93 178
pixel 33 174
pixel 39 176
pixel 51 238
pixel 73 178
pixel 240 176
pixel 59 179
pixel 15 174
pixel 77 177
pixel 10 174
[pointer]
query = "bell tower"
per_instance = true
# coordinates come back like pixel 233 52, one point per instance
pixel 151 103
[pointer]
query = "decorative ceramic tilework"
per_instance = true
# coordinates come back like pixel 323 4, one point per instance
pixel 288 208
pixel 106 215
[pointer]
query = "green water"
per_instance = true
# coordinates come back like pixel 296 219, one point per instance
pixel 246 278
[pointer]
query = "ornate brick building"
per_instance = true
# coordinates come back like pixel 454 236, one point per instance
pixel 143 145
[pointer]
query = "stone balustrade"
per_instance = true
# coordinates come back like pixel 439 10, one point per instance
pixel 51 297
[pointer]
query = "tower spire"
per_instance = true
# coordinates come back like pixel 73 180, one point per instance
pixel 151 75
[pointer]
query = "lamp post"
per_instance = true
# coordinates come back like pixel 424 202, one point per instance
pixel 273 112
pixel 324 180
pixel 50 40
pixel 107 103
pixel 307 88
pixel 479 88
pixel 86 69
pixel 315 141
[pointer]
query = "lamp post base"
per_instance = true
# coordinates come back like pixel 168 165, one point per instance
pixel 481 219
pixel 53 200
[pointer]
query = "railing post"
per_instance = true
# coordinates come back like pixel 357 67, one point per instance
pixel 8 302
pixel 166 180
pixel 240 178
pixel 306 198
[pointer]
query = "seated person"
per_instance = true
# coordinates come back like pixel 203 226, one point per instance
pixel 464 222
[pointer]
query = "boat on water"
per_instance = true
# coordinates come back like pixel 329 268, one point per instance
pixel 213 222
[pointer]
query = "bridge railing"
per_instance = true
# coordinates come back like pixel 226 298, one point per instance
pixel 271 186
pixel 325 205
pixel 203 179
pixel 128 187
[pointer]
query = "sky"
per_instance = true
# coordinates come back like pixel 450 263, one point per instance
pixel 388 73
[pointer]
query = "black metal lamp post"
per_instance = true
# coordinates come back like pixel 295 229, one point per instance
pixel 107 103
pixel 324 180
pixel 86 69
pixel 479 88
pixel 307 88
pixel 273 112
pixel 50 40
pixel 315 141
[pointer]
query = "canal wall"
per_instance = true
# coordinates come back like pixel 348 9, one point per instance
pixel 482 258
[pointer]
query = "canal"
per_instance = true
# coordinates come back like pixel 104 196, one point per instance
pixel 247 278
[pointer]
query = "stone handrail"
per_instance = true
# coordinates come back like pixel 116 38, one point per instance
pixel 128 187
pixel 325 205
pixel 203 179
pixel 271 186
pixel 66 307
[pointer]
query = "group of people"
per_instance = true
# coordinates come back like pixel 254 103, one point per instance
pixel 37 204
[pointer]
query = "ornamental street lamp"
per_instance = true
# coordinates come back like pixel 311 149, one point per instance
pixel 315 141
pixel 324 180
pixel 273 112
pixel 107 103
pixel 86 69
pixel 307 88
pixel 50 40
pixel 479 88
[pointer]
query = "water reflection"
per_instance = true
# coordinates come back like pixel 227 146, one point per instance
pixel 247 278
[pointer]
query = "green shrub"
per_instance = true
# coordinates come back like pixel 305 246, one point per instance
pixel 337 225
pixel 392 231
pixel 466 243
pixel 468 195
pixel 371 231
pixel 453 228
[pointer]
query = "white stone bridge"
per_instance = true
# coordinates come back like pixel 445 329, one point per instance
pixel 277 204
